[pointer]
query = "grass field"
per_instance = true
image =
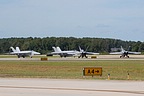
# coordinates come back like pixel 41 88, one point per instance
pixel 118 69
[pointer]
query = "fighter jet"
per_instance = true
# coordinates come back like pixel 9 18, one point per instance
pixel 58 51
pixel 23 53
pixel 124 53
pixel 84 53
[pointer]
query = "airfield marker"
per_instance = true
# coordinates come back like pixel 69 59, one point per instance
pixel 128 77
pixel 108 76
pixel 44 59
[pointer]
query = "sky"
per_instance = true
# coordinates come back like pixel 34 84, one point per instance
pixel 116 19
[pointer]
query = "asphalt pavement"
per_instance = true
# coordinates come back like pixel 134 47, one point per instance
pixel 66 87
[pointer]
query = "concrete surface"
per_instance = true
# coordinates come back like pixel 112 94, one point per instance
pixel 99 57
pixel 60 87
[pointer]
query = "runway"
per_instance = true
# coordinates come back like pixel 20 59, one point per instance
pixel 60 87
pixel 98 57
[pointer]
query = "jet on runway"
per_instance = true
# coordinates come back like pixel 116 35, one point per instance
pixel 23 53
pixel 125 53
pixel 58 51
pixel 84 53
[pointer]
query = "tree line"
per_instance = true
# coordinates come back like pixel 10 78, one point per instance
pixel 44 45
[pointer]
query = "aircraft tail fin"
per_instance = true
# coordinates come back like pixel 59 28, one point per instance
pixel 80 49
pixel 13 49
pixel 17 49
pixel 54 48
pixel 122 49
pixel 58 49
pixel 129 48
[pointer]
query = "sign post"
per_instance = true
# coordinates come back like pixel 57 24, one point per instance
pixel 92 71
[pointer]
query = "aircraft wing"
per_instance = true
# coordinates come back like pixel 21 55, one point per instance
pixel 67 53
pixel 70 53
pixel 91 53
pixel 56 53
pixel 25 52
pixel 13 53
pixel 87 53
pixel 134 52
pixel 115 53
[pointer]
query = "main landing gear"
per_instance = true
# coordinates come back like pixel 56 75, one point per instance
pixel 123 56
pixel 83 55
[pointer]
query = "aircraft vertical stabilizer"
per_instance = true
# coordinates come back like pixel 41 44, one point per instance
pixel 54 48
pixel 58 49
pixel 13 49
pixel 122 49
pixel 17 49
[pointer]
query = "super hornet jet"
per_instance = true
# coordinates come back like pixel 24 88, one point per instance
pixel 58 51
pixel 23 53
pixel 84 53
pixel 123 53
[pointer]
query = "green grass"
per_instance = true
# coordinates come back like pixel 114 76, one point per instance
pixel 72 69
